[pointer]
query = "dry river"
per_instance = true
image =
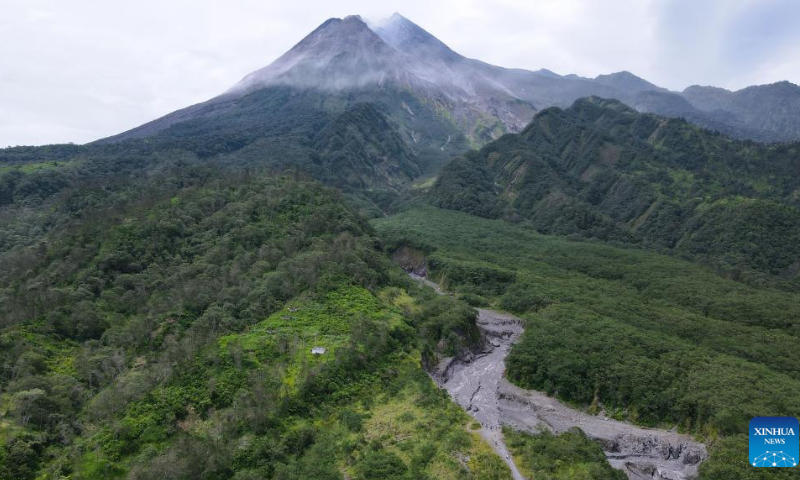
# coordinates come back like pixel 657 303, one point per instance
pixel 477 383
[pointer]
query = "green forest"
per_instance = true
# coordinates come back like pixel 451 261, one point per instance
pixel 570 455
pixel 171 336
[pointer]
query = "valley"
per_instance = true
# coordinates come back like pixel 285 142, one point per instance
pixel 619 333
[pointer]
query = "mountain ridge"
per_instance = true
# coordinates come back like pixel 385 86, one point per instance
pixel 481 100
pixel 602 170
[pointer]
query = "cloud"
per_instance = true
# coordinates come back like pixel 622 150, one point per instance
pixel 731 43
pixel 80 70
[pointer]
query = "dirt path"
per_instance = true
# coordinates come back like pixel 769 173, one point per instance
pixel 479 386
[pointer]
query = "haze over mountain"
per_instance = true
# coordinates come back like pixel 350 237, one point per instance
pixel 374 107
pixel 480 100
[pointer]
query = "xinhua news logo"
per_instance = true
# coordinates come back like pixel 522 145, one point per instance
pixel 774 442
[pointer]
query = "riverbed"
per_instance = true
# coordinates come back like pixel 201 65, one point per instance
pixel 477 383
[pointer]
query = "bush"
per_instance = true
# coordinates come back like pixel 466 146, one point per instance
pixel 446 325
pixel 381 465
pixel 20 458
pixel 567 456
pixel 521 298
pixel 473 300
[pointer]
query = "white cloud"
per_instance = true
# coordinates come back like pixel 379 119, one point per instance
pixel 80 70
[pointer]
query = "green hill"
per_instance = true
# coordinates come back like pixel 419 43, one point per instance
pixel 167 331
pixel 601 170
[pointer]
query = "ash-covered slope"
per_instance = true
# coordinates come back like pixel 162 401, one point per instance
pixel 349 54
pixel 339 54
pixel 764 113
pixel 341 64
pixel 488 88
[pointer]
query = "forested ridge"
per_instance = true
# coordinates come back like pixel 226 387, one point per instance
pixel 361 141
pixel 602 170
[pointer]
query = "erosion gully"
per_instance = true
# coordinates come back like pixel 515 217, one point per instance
pixel 477 383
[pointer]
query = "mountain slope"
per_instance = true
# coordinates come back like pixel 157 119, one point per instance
pixel 627 82
pixel 344 58
pixel 769 109
pixel 600 169
pixel 280 126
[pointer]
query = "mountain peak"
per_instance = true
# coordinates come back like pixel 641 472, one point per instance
pixel 625 80
pixel 351 24
pixel 409 38
pixel 704 88
pixel 784 86
pixel 595 102
pixel 340 53
pixel 396 17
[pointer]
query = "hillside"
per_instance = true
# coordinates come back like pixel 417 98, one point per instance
pixel 359 146
pixel 437 102
pixel 602 170
pixel 284 127
pixel 171 337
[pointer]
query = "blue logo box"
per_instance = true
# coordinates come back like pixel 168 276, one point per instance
pixel 774 442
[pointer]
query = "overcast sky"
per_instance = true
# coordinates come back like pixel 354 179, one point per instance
pixel 78 70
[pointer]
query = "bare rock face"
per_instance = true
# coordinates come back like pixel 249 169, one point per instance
pixel 660 457
pixel 643 453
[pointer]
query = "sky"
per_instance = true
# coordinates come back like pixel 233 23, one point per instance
pixel 81 70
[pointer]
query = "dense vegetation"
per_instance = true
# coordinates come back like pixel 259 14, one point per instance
pixel 569 456
pixel 601 170
pixel 352 138
pixel 169 334
pixel 367 143
pixel 646 337
pixel 353 147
